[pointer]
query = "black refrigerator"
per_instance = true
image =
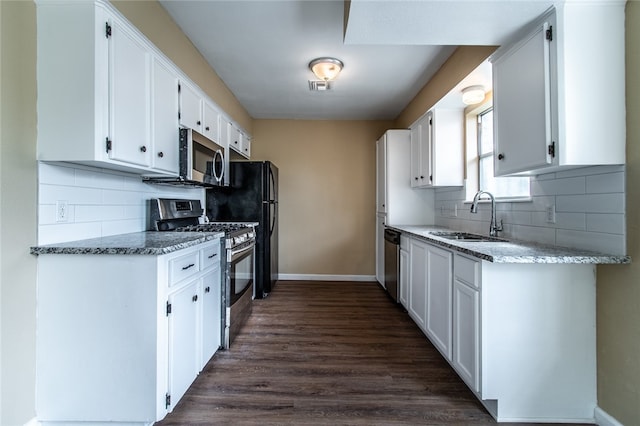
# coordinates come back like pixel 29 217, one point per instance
pixel 252 196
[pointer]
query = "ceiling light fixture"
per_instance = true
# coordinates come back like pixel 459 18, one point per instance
pixel 473 95
pixel 326 68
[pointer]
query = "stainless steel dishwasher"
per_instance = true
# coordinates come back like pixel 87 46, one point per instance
pixel 392 262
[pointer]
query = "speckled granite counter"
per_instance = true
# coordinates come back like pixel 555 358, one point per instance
pixel 511 251
pixel 145 243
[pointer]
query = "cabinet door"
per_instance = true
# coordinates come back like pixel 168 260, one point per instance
pixel 211 315
pixel 466 334
pixel 418 283
pixel 381 175
pixel 211 122
pixel 404 278
pixel 234 137
pixel 164 118
pixel 522 106
pixel 129 106
pixel 246 146
pixel 183 340
pixel 190 107
pixel 415 155
pixel 380 221
pixel 439 293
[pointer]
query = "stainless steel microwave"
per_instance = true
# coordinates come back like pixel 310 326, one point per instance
pixel 201 159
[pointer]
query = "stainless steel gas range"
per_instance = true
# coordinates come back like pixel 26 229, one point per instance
pixel 238 273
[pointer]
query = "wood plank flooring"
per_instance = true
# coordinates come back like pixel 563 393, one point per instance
pixel 328 353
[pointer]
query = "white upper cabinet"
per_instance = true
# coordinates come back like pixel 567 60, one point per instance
pixel 210 122
pixel 190 107
pixel 238 140
pixel 436 149
pixel 94 74
pixel 164 104
pixel 548 86
pixel 129 85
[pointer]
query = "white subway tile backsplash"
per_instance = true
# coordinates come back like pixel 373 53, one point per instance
pixel 100 202
pixel 601 242
pixel 609 223
pixel 589 204
pixel 605 183
pixel 50 193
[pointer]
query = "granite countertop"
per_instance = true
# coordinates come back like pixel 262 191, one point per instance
pixel 146 243
pixel 511 251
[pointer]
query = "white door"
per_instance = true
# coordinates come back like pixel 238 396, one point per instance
pixel 466 334
pixel 381 219
pixel 418 283
pixel 211 315
pixel 381 175
pixel 522 106
pixel 190 107
pixel 439 293
pixel 183 340
pixel 164 118
pixel 129 106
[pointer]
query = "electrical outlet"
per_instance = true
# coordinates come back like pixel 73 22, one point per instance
pixel 62 211
pixel 551 214
pixel 455 210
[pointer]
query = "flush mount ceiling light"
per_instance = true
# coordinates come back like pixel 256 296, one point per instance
pixel 473 95
pixel 326 68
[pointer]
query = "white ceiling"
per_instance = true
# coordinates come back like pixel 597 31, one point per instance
pixel 261 49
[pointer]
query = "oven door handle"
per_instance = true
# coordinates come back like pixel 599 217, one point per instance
pixel 236 254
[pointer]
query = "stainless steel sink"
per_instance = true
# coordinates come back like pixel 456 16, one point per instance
pixel 465 236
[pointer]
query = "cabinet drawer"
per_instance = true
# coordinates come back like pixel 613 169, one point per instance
pixel 467 270
pixel 210 256
pixel 183 267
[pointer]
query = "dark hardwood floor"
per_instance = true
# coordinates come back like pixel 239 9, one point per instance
pixel 328 353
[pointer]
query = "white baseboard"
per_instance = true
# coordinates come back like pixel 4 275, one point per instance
pixel 322 277
pixel 604 419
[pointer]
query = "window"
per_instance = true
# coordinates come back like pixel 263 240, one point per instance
pixel 500 187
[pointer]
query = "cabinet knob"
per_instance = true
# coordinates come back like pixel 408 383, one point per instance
pixel 161 154
pixel 421 177
pixel 207 128
pixel 500 156
pixel 198 122
pixel 195 298
pixel 236 142
pixel 143 148
pixel 416 178
pixel 207 289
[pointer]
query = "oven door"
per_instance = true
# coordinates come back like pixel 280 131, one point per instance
pixel 241 272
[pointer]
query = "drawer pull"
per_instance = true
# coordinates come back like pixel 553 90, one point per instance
pixel 184 268
pixel 213 255
pixel 207 289
pixel 195 298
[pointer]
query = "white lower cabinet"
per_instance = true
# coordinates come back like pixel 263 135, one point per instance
pixel 439 291
pixel 521 336
pixel 466 321
pixel 404 271
pixel 120 341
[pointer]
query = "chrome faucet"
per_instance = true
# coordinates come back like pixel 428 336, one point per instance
pixel 494 228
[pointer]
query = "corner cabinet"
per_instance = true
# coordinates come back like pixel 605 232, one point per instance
pixel 437 149
pixel 521 336
pixel 544 118
pixel 131 330
pixel 103 96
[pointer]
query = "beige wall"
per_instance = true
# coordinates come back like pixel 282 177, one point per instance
pixel 155 23
pixel 17 211
pixel 618 289
pixel 463 60
pixel 327 192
